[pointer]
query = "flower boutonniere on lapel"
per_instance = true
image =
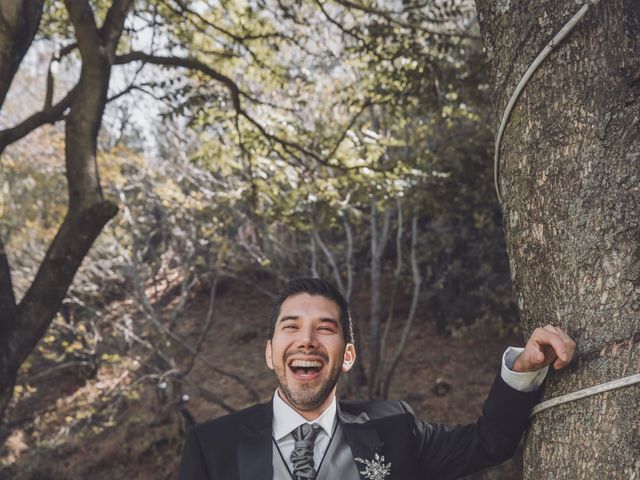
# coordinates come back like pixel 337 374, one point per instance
pixel 375 469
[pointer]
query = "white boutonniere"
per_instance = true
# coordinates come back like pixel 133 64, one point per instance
pixel 375 469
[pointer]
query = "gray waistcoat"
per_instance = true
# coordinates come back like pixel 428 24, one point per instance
pixel 338 461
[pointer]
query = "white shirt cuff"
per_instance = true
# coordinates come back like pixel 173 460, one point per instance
pixel 521 381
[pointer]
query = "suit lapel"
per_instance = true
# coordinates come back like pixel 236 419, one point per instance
pixel 361 436
pixel 255 449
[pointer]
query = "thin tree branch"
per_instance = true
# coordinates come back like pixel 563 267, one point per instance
pixel 347 31
pixel 332 262
pixel 189 63
pixel 48 115
pixel 114 23
pixel 314 256
pixel 292 148
pixel 162 329
pixel 256 285
pixel 63 366
pixel 208 394
pixel 207 325
pixel 7 297
pixel 396 279
pixel 48 97
pixel 378 243
pixel 391 17
pixel 348 127
pixel 66 50
pixel 417 281
pixel 238 38
pixel 349 255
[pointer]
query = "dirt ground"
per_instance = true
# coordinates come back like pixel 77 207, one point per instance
pixel 444 378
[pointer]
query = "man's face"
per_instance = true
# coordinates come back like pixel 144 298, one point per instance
pixel 308 351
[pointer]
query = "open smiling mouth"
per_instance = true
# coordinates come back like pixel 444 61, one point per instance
pixel 306 369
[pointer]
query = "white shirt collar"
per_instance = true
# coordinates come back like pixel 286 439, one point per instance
pixel 285 418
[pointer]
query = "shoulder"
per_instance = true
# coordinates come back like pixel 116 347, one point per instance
pixel 254 415
pixel 376 409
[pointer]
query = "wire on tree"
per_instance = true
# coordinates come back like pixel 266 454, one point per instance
pixel 564 31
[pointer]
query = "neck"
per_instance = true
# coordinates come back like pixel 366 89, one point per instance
pixel 314 413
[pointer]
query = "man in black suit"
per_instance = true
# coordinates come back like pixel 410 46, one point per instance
pixel 304 433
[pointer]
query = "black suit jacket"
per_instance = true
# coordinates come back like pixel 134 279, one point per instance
pixel 239 446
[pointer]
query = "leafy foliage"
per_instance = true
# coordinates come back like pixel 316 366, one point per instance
pixel 287 136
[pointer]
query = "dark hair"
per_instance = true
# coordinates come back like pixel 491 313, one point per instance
pixel 313 286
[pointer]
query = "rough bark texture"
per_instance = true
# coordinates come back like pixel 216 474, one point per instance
pixel 19 22
pixel 570 180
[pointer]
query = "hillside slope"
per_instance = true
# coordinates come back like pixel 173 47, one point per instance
pixel 142 435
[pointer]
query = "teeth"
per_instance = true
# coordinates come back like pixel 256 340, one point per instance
pixel 306 363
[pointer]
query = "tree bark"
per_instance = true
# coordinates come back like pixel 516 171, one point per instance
pixel 19 21
pixel 570 181
pixel 379 238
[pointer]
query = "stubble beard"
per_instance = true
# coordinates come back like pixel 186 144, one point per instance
pixel 308 397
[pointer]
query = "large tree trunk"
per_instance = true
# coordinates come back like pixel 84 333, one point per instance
pixel 24 324
pixel 570 178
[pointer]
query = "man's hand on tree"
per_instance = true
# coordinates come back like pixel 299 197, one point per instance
pixel 546 345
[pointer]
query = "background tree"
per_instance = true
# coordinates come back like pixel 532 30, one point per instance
pixel 570 178
pixel 24 324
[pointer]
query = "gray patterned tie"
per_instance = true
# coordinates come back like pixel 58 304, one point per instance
pixel 302 455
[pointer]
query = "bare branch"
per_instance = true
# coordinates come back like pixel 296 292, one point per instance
pixel 349 256
pixel 294 149
pixel 314 257
pixel 348 127
pixel 184 10
pixel 207 325
pixel 208 395
pixel 163 330
pixel 7 297
pixel 232 87
pixel 417 281
pixel 62 366
pixel 48 96
pixel 114 23
pixel 48 115
pixel 66 50
pixel 394 288
pixel 332 261
pixel 439 29
pixel 256 285
pixel 190 63
pixel 378 244
pixel 352 32
pixel 130 88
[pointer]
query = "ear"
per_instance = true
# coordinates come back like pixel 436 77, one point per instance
pixel 267 355
pixel 349 357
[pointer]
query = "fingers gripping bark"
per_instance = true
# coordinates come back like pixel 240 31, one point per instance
pixel 547 345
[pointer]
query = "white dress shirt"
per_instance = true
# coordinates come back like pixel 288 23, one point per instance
pixel 525 381
pixel 286 419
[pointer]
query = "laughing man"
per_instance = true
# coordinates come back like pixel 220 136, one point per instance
pixel 304 433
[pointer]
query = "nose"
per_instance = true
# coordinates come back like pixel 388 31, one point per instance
pixel 307 338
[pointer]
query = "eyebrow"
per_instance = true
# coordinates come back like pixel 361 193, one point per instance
pixel 322 319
